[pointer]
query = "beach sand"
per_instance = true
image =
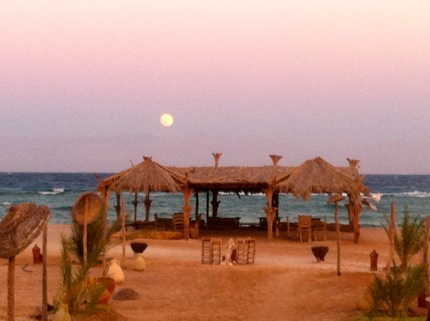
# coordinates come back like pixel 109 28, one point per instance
pixel 285 282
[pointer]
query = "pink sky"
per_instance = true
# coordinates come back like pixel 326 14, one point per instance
pixel 84 83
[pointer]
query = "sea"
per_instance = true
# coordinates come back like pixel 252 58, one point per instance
pixel 59 191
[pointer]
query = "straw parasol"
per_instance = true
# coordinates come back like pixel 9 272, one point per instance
pixel 87 208
pixel 316 176
pixel 145 177
pixel 21 226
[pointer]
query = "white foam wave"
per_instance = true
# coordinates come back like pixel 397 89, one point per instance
pixel 54 191
pixel 6 203
pixel 418 194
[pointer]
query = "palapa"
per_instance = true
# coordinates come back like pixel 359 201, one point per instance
pixel 314 176
pixel 147 176
pixel 21 226
pixel 317 176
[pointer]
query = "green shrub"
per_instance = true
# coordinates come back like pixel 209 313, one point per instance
pixel 395 290
pixel 410 240
pixel 96 245
pixel 76 287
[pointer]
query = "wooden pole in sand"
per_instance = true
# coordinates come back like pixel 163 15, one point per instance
pixel 336 218
pixel 105 209
pixel 45 274
pixel 123 230
pixel 426 256
pixel 11 289
pixel 392 231
pixel 269 212
pixel 186 210
pixel 85 237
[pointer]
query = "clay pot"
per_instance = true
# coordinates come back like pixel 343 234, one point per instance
pixel 139 263
pixel 115 272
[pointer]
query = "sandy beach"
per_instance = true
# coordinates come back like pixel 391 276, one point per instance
pixel 285 282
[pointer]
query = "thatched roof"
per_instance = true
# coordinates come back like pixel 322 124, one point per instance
pixel 248 179
pixel 317 176
pixel 231 178
pixel 145 177
pixel 21 226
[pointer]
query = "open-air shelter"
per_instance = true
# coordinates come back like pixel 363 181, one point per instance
pixel 269 180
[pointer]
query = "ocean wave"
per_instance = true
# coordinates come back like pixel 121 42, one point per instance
pixel 6 203
pixel 418 194
pixel 54 191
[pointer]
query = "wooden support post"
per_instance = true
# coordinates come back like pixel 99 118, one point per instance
pixel 392 232
pixel 336 217
pixel 123 230
pixel 186 210
pixel 426 261
pixel 45 274
pixel 11 289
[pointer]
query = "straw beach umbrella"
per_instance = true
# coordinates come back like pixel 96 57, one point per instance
pixel 317 176
pixel 21 226
pixel 145 177
pixel 87 208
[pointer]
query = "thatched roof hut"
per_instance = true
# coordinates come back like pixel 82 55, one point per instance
pixel 320 176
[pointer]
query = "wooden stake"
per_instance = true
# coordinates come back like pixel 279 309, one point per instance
pixel 426 255
pixel 336 217
pixel 123 230
pixel 85 232
pixel 106 199
pixel 392 231
pixel 11 289
pixel 45 275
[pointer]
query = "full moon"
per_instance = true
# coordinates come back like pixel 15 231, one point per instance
pixel 166 120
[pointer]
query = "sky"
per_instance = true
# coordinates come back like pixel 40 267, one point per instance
pixel 84 83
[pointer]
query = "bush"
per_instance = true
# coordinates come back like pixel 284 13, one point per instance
pixel 96 245
pixel 410 240
pixel 396 290
pixel 402 283
pixel 76 286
